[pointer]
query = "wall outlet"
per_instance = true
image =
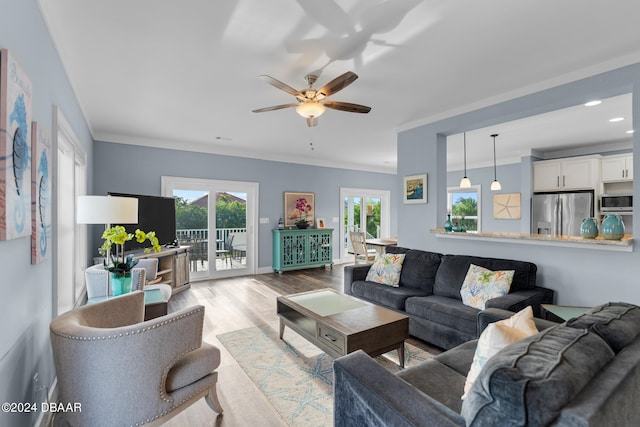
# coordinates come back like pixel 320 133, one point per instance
pixel 335 219
pixel 264 220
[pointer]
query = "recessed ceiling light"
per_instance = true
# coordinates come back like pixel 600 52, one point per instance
pixel 616 119
pixel 593 103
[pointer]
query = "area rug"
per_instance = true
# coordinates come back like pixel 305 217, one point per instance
pixel 294 375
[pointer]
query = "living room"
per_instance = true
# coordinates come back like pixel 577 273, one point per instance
pixel 578 276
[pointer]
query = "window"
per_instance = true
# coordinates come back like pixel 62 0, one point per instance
pixel 465 209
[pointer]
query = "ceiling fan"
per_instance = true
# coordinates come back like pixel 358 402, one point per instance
pixel 312 102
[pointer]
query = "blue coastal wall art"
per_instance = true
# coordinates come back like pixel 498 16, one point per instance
pixel 15 153
pixel 41 225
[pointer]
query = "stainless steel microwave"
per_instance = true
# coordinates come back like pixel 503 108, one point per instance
pixel 616 202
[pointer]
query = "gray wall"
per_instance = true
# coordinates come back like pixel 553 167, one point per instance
pixel 121 169
pixel 509 177
pixel 26 291
pixel 579 276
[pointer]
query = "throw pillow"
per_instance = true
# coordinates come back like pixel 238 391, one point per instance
pixel 497 336
pixel 481 284
pixel 386 269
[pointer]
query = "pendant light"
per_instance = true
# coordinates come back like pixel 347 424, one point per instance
pixel 495 185
pixel 465 182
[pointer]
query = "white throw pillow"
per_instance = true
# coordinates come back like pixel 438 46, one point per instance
pixel 481 284
pixel 386 269
pixel 497 336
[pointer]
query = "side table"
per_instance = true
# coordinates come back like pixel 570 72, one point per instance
pixel 562 313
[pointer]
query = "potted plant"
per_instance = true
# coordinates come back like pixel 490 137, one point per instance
pixel 303 207
pixel 118 263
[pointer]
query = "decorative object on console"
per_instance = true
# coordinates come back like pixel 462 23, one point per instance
pixel 415 189
pixel 612 227
pixel 495 185
pixel 41 227
pixel 448 227
pixel 299 209
pixel 15 156
pixel 321 223
pixel 107 210
pixel 465 182
pixel 481 284
pixel 120 264
pixel 589 228
pixel 507 206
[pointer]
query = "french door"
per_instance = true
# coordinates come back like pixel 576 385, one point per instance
pixel 363 210
pixel 217 220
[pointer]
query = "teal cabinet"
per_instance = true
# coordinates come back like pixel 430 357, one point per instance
pixel 296 249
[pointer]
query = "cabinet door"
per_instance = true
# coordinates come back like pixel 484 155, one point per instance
pixel 613 168
pixel 182 269
pixel 546 176
pixel 629 165
pixel 577 174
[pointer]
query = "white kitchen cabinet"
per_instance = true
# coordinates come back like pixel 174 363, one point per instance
pixel 574 173
pixel 617 168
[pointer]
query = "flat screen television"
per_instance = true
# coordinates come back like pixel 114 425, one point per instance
pixel 155 213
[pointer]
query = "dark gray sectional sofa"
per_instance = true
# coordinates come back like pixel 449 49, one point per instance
pixel 584 372
pixel 429 293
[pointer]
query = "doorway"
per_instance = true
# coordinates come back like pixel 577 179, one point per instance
pixel 217 220
pixel 363 210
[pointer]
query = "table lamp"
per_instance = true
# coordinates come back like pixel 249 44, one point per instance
pixel 107 210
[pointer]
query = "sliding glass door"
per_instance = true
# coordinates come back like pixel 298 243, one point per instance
pixel 363 210
pixel 216 219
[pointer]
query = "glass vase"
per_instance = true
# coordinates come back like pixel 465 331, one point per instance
pixel 447 224
pixel 120 283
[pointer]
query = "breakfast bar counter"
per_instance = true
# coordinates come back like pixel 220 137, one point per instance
pixel 625 244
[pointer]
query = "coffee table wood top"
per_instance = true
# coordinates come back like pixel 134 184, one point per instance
pixel 340 324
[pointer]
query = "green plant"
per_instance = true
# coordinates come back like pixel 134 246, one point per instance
pixel 118 236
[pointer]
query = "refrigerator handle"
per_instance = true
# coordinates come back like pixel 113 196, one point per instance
pixel 561 214
pixel 556 217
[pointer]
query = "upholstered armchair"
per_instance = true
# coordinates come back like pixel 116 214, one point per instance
pixel 123 371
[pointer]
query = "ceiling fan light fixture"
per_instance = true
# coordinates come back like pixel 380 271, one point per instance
pixel 310 109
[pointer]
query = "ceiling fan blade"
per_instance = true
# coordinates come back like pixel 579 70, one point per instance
pixel 275 107
pixel 347 106
pixel 338 83
pixel 312 121
pixel 282 86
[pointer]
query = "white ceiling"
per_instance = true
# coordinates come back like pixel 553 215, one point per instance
pixel 184 74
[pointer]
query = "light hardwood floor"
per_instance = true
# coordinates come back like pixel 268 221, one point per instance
pixel 238 303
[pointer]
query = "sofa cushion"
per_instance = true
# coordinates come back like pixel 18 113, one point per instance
pixel 618 323
pixel 514 386
pixel 459 358
pixel 481 284
pixel 388 296
pixel 497 336
pixel 437 381
pixel 386 269
pixel 453 269
pixel 419 268
pixel 444 311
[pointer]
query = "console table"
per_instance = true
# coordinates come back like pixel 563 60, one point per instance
pixel 173 266
pixel 302 248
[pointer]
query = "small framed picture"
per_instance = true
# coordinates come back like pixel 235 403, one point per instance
pixel 321 223
pixel 415 189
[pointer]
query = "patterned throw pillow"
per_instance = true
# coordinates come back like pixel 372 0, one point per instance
pixel 481 284
pixel 497 336
pixel 386 269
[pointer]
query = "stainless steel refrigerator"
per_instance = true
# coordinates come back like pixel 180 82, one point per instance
pixel 560 213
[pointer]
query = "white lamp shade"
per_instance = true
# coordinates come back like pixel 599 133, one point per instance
pixel 465 183
pixel 107 210
pixel 495 186
pixel 310 109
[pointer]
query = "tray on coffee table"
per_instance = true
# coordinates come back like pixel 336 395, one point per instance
pixel 340 324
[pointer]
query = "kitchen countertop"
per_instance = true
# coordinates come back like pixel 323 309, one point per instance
pixel 625 244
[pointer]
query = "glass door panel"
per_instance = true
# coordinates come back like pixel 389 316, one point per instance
pixel 231 230
pixel 363 210
pixel 352 219
pixel 192 228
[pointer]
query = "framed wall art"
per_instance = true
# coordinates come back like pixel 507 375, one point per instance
pixel 299 208
pixel 321 223
pixel 15 152
pixel 41 226
pixel 415 189
pixel 506 206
